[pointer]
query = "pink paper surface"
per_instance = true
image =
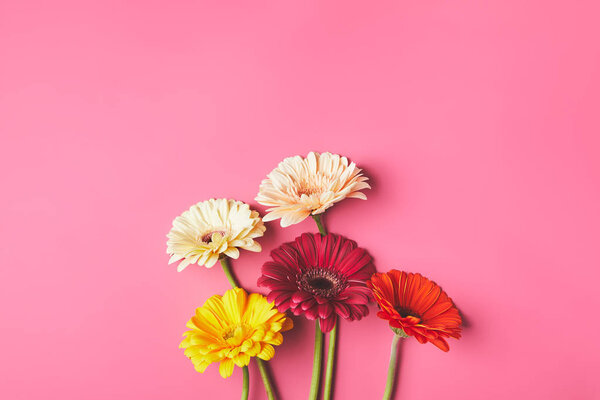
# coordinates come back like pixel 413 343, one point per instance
pixel 477 122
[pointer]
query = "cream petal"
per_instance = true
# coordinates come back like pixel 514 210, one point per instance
pixel 361 185
pixel 358 195
pixel 204 257
pixel 271 217
pixel 232 252
pixel 182 265
pixel 212 260
pixel 255 247
pixel 175 258
pixel 294 218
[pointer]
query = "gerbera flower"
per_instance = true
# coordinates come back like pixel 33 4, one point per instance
pixel 416 306
pixel 230 329
pixel 213 228
pixel 299 187
pixel 319 277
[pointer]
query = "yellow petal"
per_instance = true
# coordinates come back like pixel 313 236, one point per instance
pixel 276 339
pixel 241 360
pixel 254 350
pixel 234 302
pixel 267 352
pixel 201 367
pixel 226 368
pixel 287 324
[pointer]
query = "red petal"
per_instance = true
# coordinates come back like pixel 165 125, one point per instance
pixel 311 313
pixel 354 262
pixel 441 344
pixel 325 310
pixel 299 297
pixel 342 310
pixel 307 304
pixel 284 306
pixel 327 324
pixel 307 249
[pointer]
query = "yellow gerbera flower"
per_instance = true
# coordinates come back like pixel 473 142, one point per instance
pixel 299 187
pixel 211 228
pixel 230 329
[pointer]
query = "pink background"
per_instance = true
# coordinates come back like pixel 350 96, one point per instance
pixel 477 122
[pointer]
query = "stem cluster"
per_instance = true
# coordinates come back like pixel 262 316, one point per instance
pixel 318 355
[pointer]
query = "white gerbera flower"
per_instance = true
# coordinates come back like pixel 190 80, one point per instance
pixel 211 228
pixel 299 187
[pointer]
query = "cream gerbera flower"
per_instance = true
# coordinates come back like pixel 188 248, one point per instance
pixel 211 228
pixel 299 187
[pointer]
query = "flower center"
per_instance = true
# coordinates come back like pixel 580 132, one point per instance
pixel 228 335
pixel 207 237
pixel 316 185
pixel 405 313
pixel 235 331
pixel 322 282
pixel 308 190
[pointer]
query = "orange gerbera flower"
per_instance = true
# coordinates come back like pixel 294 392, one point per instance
pixel 416 306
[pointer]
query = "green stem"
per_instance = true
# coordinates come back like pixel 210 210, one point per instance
pixel 262 367
pixel 391 377
pixel 317 218
pixel 246 384
pixel 317 362
pixel 228 272
pixel 332 334
pixel 330 362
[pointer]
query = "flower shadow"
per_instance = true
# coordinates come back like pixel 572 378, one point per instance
pixel 466 321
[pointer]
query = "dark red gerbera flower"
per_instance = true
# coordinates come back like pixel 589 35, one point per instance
pixel 319 277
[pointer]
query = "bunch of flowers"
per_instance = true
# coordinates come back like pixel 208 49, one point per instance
pixel 319 276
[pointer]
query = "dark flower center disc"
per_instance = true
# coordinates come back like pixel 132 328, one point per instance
pixel 322 282
pixel 407 313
